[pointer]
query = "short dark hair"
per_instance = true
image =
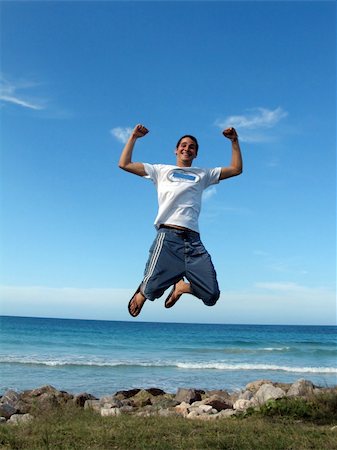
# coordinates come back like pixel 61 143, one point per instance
pixel 191 137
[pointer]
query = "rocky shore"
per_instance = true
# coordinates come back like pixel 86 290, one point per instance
pixel 19 407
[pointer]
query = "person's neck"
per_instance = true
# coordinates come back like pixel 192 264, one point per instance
pixel 184 164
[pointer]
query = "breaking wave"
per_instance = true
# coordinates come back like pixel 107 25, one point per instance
pixel 161 364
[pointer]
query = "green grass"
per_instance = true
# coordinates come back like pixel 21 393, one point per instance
pixel 287 424
pixel 320 409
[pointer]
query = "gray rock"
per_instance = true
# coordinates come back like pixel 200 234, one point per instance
pixel 126 409
pixel 301 388
pixel 242 404
pixel 17 419
pixel 142 398
pixel 7 410
pixel 110 412
pixel 246 395
pixel 227 413
pixel 95 405
pixel 268 392
pixel 14 399
pixel 164 401
pixel 45 397
pixel 187 395
pixel 254 386
pixel 206 409
pixel 10 397
pixel 219 393
pixel 108 399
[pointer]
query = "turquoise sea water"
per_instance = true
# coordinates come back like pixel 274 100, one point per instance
pixel 102 357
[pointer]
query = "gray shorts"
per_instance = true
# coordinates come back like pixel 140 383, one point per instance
pixel 176 254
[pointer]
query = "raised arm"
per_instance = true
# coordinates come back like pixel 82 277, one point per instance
pixel 235 167
pixel 125 160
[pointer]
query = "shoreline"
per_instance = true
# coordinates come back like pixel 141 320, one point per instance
pixel 189 403
pixel 229 382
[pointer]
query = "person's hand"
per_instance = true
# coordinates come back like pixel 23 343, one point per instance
pixel 139 131
pixel 230 133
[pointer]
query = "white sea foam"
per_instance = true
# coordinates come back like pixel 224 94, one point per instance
pixel 79 362
pixel 275 349
pixel 249 367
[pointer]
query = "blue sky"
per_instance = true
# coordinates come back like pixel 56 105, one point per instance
pixel 76 230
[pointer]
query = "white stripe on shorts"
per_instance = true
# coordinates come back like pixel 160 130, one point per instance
pixel 154 259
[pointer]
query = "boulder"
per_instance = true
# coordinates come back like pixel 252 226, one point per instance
pixel 219 393
pixel 218 403
pixel 81 398
pixel 164 401
pixel 268 392
pixel 14 402
pixel 254 386
pixel 155 391
pixel 246 395
pixel 7 410
pixel 95 405
pixel 142 398
pixel 17 419
pixel 122 395
pixel 187 395
pixel 242 405
pixel 206 409
pixel 10 397
pixel 192 414
pixel 110 412
pixel 183 408
pixel 126 409
pixel 43 398
pixel 227 413
pixel 301 388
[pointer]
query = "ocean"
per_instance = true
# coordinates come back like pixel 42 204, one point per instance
pixel 101 357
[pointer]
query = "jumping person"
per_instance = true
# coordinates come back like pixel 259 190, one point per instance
pixel 177 252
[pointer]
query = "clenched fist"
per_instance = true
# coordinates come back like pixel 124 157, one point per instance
pixel 139 131
pixel 230 133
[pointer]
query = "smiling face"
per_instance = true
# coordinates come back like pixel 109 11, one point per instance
pixel 186 151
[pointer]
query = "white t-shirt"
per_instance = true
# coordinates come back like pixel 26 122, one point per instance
pixel 179 192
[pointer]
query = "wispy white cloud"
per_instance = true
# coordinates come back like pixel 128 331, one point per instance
pixel 253 126
pixel 286 266
pixel 121 133
pixel 11 92
pixel 287 286
pixel 257 118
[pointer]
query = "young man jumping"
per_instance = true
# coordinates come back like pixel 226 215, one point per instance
pixel 177 254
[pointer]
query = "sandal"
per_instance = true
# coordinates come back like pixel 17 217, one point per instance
pixel 138 309
pixel 169 302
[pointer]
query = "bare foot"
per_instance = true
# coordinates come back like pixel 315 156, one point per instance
pixel 177 291
pixel 136 304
